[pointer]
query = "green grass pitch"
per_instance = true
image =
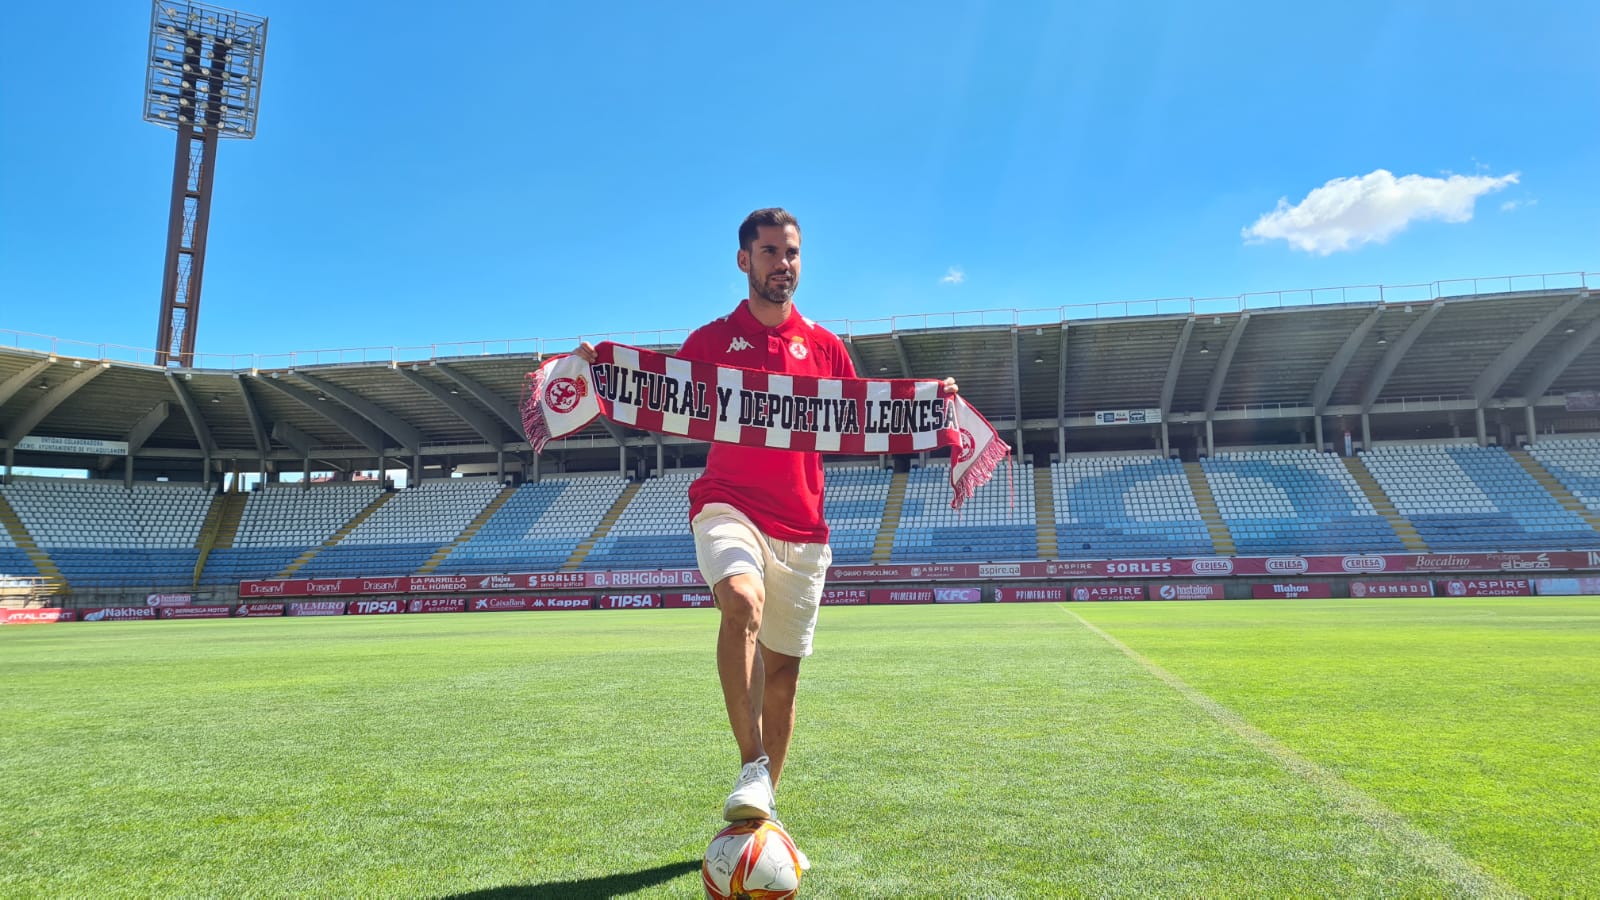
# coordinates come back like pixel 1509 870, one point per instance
pixel 1254 748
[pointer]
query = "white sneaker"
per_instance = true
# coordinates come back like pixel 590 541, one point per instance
pixel 752 794
pixel 805 861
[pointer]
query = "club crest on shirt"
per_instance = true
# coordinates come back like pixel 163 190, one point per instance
pixel 797 347
pixel 563 394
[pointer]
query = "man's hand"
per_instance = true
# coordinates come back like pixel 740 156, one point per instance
pixel 950 386
pixel 586 350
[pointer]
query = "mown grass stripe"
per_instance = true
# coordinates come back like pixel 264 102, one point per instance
pixel 1430 851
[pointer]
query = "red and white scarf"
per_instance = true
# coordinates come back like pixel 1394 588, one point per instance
pixel 707 402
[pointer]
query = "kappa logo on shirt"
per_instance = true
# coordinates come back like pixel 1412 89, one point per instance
pixel 738 343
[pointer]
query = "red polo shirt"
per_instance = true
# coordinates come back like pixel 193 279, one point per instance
pixel 780 490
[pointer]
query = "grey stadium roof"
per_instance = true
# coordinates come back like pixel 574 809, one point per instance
pixel 1249 375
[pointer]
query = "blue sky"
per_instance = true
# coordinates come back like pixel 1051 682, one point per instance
pixel 516 170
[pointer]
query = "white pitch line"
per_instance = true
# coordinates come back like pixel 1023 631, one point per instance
pixel 1436 854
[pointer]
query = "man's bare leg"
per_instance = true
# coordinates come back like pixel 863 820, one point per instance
pixel 739 661
pixel 777 707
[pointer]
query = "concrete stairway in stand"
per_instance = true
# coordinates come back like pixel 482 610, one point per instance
pixel 581 552
pixel 1044 512
pixel 883 545
pixel 219 529
pixel 1221 538
pixel 341 534
pixel 473 527
pixel 1380 501
pixel 1554 487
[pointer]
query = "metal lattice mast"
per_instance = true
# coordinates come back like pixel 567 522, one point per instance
pixel 204 80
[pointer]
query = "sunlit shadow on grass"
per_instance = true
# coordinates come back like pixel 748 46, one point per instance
pixel 616 885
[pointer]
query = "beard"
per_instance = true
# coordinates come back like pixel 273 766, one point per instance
pixel 776 294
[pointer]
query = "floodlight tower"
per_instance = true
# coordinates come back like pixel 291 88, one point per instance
pixel 204 79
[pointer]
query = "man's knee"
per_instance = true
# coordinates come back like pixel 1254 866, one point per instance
pixel 740 600
pixel 783 671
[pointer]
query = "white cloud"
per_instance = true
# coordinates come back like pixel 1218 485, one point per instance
pixel 1348 212
pixel 954 276
pixel 1510 205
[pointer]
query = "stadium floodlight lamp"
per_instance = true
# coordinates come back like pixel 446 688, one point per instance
pixel 223 47
pixel 204 82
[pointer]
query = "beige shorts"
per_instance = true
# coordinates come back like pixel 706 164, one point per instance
pixel 727 543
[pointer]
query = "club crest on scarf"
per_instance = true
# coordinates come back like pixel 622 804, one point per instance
pixel 967 445
pixel 704 401
pixel 563 394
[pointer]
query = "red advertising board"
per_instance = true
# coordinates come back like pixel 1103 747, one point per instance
pixel 1359 589
pixel 257 610
pixel 196 612
pixel 1030 595
pixel 845 597
pixel 393 584
pixel 688 601
pixel 1292 590
pixel 901 595
pixel 116 614
pixel 439 584
pixel 375 607
pixel 1287 567
pixel 628 601
pixel 647 579
pixel 1486 587
pixel 437 605
pixel 315 608
pixel 279 588
pixel 1179 590
pixel 528 581
pixel 933 572
pixel 957 595
pixel 328 587
pixel 522 604
pixel 41 616
pixel 1108 592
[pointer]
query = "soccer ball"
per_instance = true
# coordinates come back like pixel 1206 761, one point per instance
pixel 751 860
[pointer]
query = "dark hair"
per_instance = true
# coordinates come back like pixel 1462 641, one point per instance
pixel 772 215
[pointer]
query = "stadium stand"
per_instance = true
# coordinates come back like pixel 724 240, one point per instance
pixel 103 534
pixel 282 521
pixel 1136 506
pixel 1465 497
pixel 402 534
pixel 1295 501
pixel 853 505
pixel 1574 462
pixel 538 527
pixel 997 523
pixel 14 561
pixel 653 531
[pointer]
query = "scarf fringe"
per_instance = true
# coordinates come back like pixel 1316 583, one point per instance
pixel 979 473
pixel 534 424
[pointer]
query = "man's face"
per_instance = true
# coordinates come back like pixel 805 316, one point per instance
pixel 772 263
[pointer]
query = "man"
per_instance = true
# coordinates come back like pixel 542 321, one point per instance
pixel 760 538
